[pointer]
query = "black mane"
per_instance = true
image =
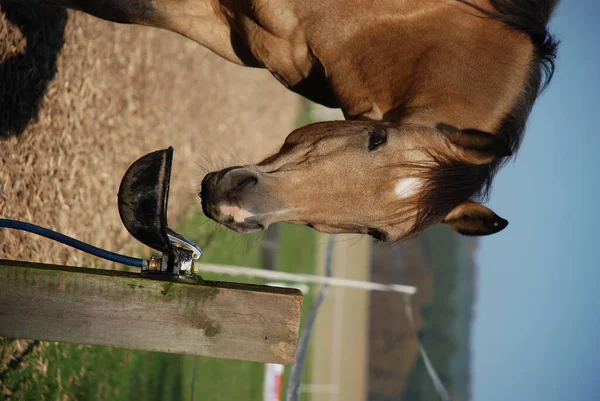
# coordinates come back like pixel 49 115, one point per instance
pixel 530 17
pixel 452 182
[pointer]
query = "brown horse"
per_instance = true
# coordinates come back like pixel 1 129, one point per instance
pixel 436 94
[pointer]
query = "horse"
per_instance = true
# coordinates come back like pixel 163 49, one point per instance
pixel 435 96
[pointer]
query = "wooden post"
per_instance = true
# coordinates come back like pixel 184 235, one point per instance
pixel 119 309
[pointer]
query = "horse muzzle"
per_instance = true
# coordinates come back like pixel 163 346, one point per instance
pixel 233 197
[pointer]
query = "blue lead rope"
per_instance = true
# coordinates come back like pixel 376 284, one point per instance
pixel 82 246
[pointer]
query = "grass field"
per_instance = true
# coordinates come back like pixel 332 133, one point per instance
pixel 75 372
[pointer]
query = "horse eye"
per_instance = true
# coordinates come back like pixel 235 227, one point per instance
pixel 380 236
pixel 377 138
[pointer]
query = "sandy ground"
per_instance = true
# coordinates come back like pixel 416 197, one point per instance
pixel 339 370
pixel 82 98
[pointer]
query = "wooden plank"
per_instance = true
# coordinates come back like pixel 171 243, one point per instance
pixel 119 309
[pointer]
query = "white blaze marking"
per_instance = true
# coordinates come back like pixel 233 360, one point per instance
pixel 239 215
pixel 406 187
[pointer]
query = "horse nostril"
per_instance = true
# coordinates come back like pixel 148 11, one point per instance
pixel 244 185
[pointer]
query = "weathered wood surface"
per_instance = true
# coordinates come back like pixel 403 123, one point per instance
pixel 119 309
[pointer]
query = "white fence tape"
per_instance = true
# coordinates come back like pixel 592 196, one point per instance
pixel 303 278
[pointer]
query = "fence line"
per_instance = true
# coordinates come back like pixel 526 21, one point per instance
pixel 304 278
pixel 295 385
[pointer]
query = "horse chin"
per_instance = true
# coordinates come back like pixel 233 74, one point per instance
pixel 248 225
pixel 244 228
pixel 232 217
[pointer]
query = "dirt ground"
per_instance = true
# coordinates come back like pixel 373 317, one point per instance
pixel 82 98
pixel 341 339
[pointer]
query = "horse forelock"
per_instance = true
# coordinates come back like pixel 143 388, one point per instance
pixel 446 183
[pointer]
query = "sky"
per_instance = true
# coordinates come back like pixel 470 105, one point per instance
pixel 536 334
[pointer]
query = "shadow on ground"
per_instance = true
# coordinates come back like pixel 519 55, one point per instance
pixel 31 38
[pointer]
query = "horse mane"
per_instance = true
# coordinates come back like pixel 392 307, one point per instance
pixel 530 17
pixel 450 182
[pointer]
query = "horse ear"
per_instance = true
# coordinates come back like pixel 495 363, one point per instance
pixel 471 218
pixel 476 147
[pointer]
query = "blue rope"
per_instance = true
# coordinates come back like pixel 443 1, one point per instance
pixel 82 246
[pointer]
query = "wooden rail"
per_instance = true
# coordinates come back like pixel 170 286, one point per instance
pixel 120 309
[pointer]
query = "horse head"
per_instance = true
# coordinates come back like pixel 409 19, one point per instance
pixel 386 180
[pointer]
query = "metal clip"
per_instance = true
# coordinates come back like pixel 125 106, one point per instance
pixel 179 240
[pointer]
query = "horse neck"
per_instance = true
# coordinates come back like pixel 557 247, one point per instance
pixel 440 65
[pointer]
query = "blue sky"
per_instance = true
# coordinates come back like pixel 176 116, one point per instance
pixel 537 324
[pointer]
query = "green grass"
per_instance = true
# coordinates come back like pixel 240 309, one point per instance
pixel 306 116
pixel 75 372
pixel 219 379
